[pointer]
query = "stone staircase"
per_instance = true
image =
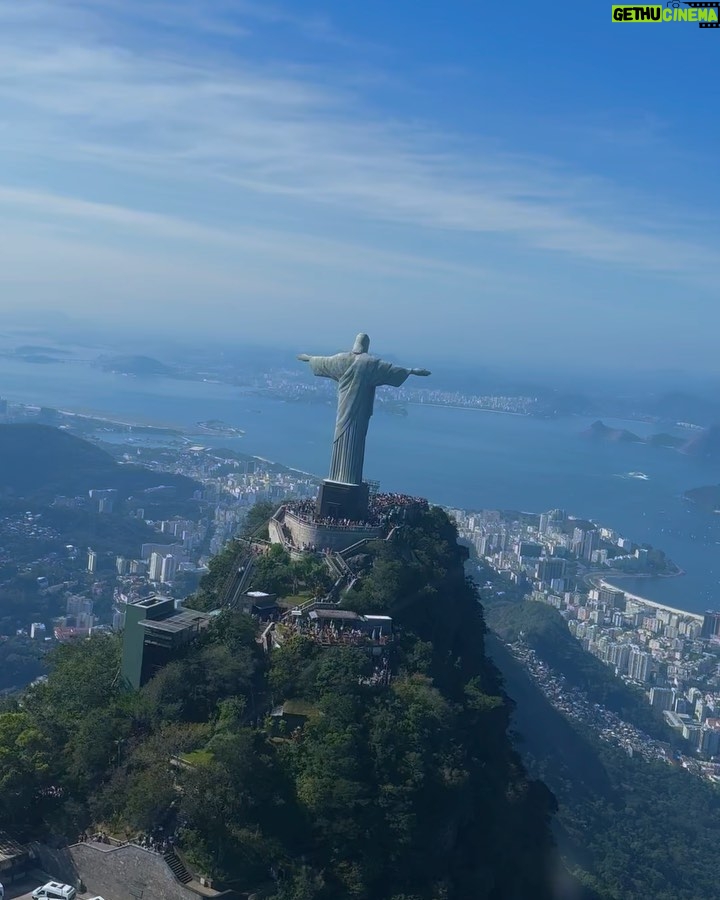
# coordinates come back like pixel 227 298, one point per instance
pixel 178 869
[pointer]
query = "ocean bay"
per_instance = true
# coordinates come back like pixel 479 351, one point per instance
pixel 457 457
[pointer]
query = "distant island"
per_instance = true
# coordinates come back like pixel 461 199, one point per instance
pixel 704 445
pixel 598 431
pixel 33 350
pixel 706 497
pixel 33 354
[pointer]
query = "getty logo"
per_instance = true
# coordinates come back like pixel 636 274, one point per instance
pixel 707 15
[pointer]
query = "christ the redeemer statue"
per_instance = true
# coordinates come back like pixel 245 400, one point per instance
pixel 357 374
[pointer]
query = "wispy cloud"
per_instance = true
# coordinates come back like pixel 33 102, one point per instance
pixel 156 136
pixel 60 212
pixel 280 131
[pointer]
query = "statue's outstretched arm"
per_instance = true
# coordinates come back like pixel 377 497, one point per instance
pixel 420 372
pixel 326 366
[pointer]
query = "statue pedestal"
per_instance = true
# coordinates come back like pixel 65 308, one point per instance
pixel 343 501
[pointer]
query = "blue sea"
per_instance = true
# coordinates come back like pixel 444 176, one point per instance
pixel 455 457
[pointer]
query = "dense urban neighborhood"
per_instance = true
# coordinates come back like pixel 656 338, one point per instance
pixel 673 656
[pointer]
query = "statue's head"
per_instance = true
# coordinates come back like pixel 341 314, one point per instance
pixel 362 344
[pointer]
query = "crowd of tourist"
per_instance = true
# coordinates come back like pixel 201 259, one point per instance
pixel 380 675
pixel 383 510
pixel 155 841
pixel 391 508
pixel 306 510
pixel 332 635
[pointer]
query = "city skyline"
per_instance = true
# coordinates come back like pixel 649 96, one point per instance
pixel 191 163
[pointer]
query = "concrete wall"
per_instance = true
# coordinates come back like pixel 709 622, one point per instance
pixel 323 536
pixel 117 873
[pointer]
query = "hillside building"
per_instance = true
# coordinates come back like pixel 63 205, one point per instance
pixel 154 631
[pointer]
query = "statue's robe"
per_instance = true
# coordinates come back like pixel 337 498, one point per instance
pixel 357 375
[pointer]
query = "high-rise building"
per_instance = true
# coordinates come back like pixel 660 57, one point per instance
pixel 529 549
pixel 550 568
pixel 79 609
pixel 544 521
pixel 577 541
pixel 619 656
pixel 661 698
pixel 168 568
pixel 121 565
pixel 92 562
pixel 155 568
pixel 590 544
pixel 701 710
pixel 612 598
pixel 709 743
pixel 711 624
pixel 77 605
pixel 639 665
pixel 147 550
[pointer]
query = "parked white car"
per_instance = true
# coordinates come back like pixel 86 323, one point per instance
pixel 54 890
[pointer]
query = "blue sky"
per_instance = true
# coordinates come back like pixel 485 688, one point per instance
pixel 492 180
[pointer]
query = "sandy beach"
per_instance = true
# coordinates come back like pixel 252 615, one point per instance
pixel 645 602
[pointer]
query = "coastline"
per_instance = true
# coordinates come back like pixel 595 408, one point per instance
pixel 183 432
pixel 501 412
pixel 601 582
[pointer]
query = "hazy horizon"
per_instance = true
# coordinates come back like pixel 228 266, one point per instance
pixel 591 377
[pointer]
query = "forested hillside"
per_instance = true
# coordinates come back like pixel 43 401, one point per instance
pixel 401 791
pixel 545 630
pixel 628 828
pixel 39 462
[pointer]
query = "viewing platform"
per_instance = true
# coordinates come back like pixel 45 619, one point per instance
pixel 298 527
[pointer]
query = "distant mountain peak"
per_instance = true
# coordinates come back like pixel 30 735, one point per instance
pixel 601 432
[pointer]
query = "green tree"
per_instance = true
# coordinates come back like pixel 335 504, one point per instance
pixel 257 517
pixel 27 772
pixel 273 572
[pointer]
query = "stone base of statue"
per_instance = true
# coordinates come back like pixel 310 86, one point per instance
pixel 343 501
pixel 300 533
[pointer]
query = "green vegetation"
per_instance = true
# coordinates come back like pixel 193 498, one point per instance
pixel 274 573
pixel 545 630
pixel 40 462
pixel 21 661
pixel 627 828
pixel 257 518
pixel 409 791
